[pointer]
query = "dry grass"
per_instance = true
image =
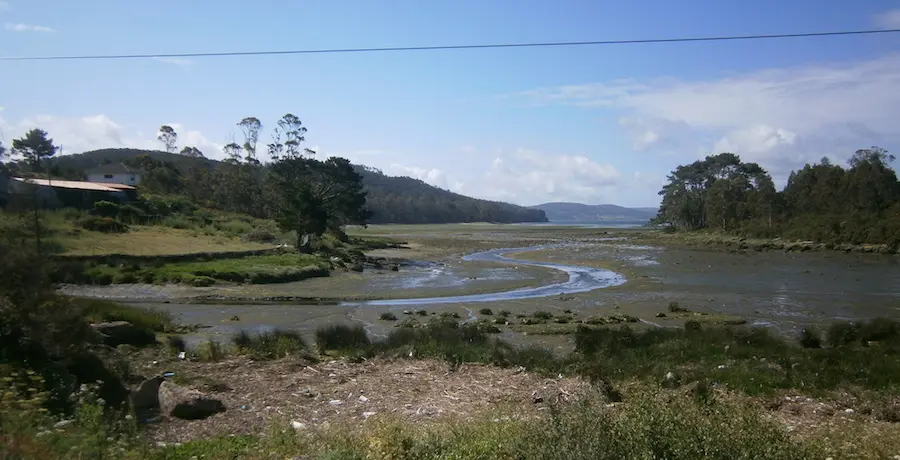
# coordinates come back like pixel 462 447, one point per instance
pixel 155 240
pixel 420 391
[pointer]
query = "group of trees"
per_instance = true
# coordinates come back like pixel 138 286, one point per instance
pixel 300 192
pixel 822 202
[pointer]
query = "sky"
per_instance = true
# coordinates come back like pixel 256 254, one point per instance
pixel 591 124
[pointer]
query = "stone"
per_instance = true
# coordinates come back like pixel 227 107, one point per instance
pixel 146 395
pixel 179 402
pixel 394 267
pixel 297 426
pixel 115 333
pixel 357 267
pixel 660 315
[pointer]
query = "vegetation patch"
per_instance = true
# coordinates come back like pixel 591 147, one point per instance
pixel 270 345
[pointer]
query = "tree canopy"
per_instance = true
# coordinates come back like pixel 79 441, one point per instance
pixel 822 202
pixel 34 147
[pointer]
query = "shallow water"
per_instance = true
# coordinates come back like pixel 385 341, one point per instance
pixel 581 279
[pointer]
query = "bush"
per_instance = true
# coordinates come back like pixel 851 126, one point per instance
pixel 235 227
pixel 504 313
pixel 486 311
pixel 131 214
pixel 675 308
pixel 270 345
pixel 388 316
pixel 211 351
pixel 202 281
pixel 179 222
pixel 340 337
pixel 258 235
pixel 100 310
pixel 102 224
pixel 809 338
pixel 105 209
pixel 543 315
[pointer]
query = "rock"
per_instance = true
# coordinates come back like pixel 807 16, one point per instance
pixel 536 398
pixel 146 395
pixel 660 315
pixel 297 426
pixel 394 267
pixel 183 403
pixel 235 318
pixel 62 423
pixel 368 414
pixel 117 333
pixel 357 267
pixel 335 402
pixel 363 399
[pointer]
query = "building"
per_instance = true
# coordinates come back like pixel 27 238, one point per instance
pixel 115 173
pixel 52 193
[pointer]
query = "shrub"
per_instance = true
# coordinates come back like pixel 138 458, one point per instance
pixel 258 235
pixel 486 311
pixel 692 325
pixel 270 345
pixel 202 281
pixel 504 313
pixel 179 222
pixel 675 308
pixel 235 227
pixel 421 312
pixel 340 337
pixel 102 224
pixel 809 338
pixel 543 315
pixel 101 310
pixel 388 316
pixel 176 344
pixel 105 209
pixel 211 351
pixel 131 214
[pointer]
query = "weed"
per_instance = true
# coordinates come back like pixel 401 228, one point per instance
pixel 211 351
pixel 270 345
pixel 340 337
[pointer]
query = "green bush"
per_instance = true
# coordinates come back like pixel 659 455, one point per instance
pixel 211 351
pixel 486 311
pixel 258 235
pixel 387 316
pixel 340 337
pixel 270 345
pixel 102 224
pixel 235 227
pixel 105 209
pixel 809 338
pixel 131 214
pixel 545 315
pixel 202 281
pixel 100 310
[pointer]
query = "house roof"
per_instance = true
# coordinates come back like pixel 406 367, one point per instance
pixel 114 168
pixel 74 184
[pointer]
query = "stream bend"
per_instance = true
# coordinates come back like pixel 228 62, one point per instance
pixel 581 279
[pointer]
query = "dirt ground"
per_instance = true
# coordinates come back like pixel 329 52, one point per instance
pixel 260 394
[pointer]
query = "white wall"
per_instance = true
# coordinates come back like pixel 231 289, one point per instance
pixel 127 179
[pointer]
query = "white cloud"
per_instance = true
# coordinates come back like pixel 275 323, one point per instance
pixel 79 134
pixel 778 117
pixel 174 61
pixel 27 28
pixel 888 19
pixel 530 177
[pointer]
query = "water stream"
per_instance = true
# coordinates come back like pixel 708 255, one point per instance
pixel 581 279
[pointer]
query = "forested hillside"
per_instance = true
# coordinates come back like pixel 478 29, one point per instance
pixel 390 199
pixel 822 202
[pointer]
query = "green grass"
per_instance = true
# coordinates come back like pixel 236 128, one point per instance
pixel 271 268
pixel 270 345
pixel 342 338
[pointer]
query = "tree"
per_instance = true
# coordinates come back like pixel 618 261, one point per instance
pixel 34 147
pixel 312 197
pixel 289 134
pixel 192 152
pixel 309 196
pixel 168 137
pixel 250 126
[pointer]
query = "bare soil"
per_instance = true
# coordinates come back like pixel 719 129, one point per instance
pixel 260 394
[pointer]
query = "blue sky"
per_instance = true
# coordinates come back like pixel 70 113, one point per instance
pixel 600 124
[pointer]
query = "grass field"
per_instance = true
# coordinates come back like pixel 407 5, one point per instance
pixel 153 240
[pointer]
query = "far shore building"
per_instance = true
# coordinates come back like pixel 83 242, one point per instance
pixel 115 173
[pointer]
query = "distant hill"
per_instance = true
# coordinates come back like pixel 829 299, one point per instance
pixel 577 212
pixel 391 199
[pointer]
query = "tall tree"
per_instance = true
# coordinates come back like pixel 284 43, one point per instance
pixel 309 196
pixel 168 137
pixel 250 126
pixel 34 147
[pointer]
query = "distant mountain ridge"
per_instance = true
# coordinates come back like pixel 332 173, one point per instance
pixel 578 212
pixel 392 199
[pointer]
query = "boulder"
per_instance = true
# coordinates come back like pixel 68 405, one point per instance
pixel 394 267
pixel 187 404
pixel 146 395
pixel 116 333
pixel 357 267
